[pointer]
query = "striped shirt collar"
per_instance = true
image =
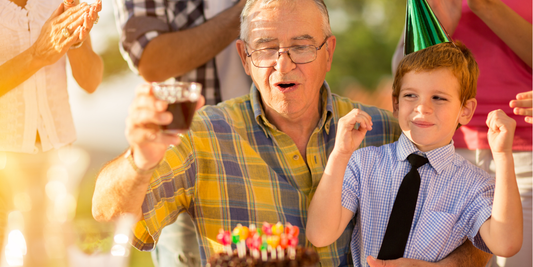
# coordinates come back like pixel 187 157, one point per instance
pixel 262 121
pixel 439 158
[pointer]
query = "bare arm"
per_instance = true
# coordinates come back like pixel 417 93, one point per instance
pixel 119 187
pixel 115 195
pixel 465 255
pixel 49 47
pixel 502 232
pixel 87 66
pixel 176 53
pixel 327 217
pixel 512 29
pixel 17 70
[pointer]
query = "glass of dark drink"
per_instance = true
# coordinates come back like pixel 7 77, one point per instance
pixel 181 98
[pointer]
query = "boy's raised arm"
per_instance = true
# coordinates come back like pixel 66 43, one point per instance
pixel 327 218
pixel 502 233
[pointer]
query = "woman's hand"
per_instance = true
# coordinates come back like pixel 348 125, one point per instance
pixel 90 19
pixel 522 106
pixel 59 33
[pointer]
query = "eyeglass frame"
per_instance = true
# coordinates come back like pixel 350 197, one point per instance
pixel 281 52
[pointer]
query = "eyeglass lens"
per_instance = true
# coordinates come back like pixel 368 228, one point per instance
pixel 298 54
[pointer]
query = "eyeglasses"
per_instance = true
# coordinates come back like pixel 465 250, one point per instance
pixel 299 54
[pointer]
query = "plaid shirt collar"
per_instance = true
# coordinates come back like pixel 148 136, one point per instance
pixel 262 121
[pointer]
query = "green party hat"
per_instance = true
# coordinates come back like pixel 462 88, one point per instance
pixel 422 28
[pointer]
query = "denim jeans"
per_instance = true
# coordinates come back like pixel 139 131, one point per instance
pixel 177 246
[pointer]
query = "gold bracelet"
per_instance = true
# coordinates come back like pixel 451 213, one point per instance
pixel 78 45
pixel 129 157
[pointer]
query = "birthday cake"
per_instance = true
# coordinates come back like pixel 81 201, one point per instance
pixel 272 245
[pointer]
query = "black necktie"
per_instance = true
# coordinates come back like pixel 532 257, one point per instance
pixel 401 217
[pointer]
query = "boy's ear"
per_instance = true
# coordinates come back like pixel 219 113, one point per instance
pixel 395 106
pixel 467 111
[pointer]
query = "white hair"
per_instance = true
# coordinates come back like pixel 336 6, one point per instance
pixel 251 3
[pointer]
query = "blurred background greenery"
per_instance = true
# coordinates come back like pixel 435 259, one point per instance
pixel 367 33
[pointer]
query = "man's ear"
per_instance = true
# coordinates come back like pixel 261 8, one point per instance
pixel 467 111
pixel 395 106
pixel 330 47
pixel 241 49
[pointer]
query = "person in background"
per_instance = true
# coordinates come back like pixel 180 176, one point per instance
pixel 249 159
pixel 37 36
pixel 190 40
pixel 499 34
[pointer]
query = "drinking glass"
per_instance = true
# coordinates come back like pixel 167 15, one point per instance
pixel 181 98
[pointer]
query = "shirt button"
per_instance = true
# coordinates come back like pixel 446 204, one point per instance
pixel 295 157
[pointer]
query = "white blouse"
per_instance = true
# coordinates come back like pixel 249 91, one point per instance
pixel 41 103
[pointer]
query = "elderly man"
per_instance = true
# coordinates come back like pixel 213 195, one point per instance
pixel 194 41
pixel 251 159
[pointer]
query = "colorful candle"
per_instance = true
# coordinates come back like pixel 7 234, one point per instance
pixel 224 238
pixel 277 229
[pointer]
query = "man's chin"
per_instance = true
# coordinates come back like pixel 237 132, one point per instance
pixel 285 109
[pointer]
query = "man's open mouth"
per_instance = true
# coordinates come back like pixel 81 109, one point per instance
pixel 286 85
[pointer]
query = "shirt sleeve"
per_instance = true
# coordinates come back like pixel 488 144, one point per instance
pixel 480 209
pixel 139 22
pixel 350 185
pixel 170 193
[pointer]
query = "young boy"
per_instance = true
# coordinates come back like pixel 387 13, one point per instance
pixel 433 94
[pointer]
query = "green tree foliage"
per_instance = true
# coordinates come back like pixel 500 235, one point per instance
pixel 367 34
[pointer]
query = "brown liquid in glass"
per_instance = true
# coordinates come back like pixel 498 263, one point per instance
pixel 182 114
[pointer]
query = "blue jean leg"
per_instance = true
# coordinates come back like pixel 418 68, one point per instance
pixel 177 246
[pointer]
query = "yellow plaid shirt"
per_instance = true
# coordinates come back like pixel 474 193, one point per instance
pixel 234 166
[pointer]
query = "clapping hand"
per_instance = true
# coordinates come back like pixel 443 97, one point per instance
pixel 63 29
pixel 90 19
pixel 351 131
pixel 501 131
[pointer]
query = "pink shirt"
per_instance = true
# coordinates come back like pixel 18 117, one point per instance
pixel 502 76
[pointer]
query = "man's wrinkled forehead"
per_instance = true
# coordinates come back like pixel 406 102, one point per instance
pixel 270 40
pixel 272 23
